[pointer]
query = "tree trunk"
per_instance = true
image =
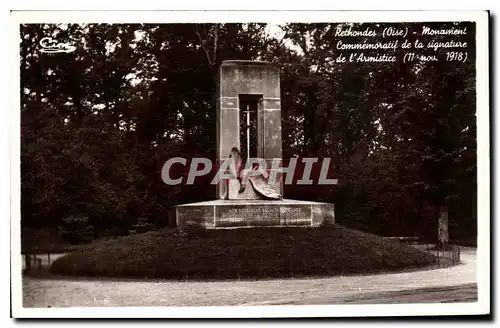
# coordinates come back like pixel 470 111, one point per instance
pixel 443 236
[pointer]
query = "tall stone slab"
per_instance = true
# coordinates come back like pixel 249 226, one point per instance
pixel 256 86
pixel 238 79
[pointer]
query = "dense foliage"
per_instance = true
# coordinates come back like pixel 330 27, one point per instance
pixel 76 230
pixel 98 124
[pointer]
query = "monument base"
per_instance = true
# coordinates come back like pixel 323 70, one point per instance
pixel 254 213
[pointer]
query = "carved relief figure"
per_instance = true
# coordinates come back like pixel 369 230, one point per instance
pixel 250 182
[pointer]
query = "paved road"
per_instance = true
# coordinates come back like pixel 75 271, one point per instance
pixel 462 293
pixel 450 284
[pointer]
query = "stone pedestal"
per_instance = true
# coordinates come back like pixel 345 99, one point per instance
pixel 254 213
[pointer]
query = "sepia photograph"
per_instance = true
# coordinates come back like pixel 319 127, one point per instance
pixel 250 164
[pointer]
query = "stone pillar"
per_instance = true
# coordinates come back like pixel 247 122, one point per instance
pixel 242 77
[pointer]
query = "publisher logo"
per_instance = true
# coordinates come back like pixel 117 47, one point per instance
pixel 51 46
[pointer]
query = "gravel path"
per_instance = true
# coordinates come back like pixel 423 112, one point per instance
pixel 431 285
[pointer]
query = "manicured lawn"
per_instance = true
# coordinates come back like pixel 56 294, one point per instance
pixel 241 253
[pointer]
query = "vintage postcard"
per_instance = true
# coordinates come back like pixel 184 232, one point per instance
pixel 211 164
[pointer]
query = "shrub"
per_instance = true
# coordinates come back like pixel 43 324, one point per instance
pixel 76 229
pixel 142 225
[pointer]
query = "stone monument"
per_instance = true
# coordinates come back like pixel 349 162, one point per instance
pixel 249 126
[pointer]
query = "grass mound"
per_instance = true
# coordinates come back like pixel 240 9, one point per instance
pixel 242 253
